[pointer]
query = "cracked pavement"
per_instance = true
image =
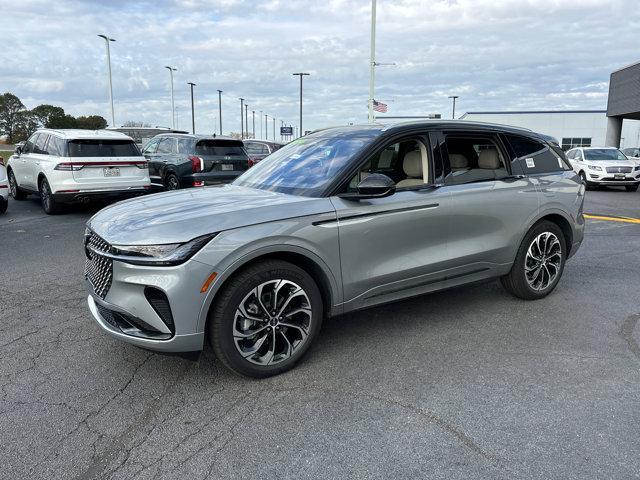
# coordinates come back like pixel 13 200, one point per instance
pixel 467 383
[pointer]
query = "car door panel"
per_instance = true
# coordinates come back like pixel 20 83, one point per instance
pixel 488 216
pixel 391 244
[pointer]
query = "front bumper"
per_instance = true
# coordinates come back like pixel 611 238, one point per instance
pixel 178 343
pixel 180 284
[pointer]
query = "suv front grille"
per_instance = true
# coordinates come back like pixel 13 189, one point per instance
pixel 619 169
pixel 98 269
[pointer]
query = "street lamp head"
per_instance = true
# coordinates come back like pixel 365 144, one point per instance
pixel 107 38
pixel 173 69
pixel 301 73
pixel 192 84
pixel 453 96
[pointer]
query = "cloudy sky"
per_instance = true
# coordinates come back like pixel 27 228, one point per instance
pixel 495 54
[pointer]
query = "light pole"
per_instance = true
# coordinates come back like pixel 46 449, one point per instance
pixel 266 127
pixel 241 120
pixel 246 118
pixel 173 108
pixel 260 122
pixel 253 119
pixel 274 129
pixel 193 111
pixel 453 113
pixel 372 62
pixel 107 40
pixel 300 74
pixel 281 125
pixel 220 109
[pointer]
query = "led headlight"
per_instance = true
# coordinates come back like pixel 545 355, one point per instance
pixel 166 254
pixel 595 167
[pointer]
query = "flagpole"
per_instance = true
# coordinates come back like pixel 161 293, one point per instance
pixel 372 63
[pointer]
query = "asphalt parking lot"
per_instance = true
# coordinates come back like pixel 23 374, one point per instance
pixel 467 383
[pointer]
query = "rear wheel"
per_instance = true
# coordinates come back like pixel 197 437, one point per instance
pixel 14 189
pixel 49 204
pixel 171 182
pixel 265 319
pixel 539 263
pixel 632 188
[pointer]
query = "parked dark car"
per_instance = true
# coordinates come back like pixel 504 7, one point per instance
pixel 179 161
pixel 258 149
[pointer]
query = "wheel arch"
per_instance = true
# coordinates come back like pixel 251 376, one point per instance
pixel 306 260
pixel 562 220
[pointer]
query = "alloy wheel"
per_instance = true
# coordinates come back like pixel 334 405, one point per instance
pixel 272 322
pixel 173 183
pixel 543 261
pixel 45 195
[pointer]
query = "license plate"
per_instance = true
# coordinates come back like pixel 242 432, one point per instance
pixel 111 172
pixel 226 166
pixel 619 176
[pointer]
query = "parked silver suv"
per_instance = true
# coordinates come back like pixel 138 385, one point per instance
pixel 339 220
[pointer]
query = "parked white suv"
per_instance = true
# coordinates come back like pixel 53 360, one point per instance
pixel 65 166
pixel 604 166
pixel 4 187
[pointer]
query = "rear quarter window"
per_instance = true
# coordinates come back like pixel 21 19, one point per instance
pixel 220 148
pixel 103 148
pixel 534 156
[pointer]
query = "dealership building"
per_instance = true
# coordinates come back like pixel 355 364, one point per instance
pixel 572 128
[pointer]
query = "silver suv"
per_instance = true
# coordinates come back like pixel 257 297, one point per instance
pixel 339 220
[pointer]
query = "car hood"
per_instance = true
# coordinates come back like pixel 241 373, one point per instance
pixel 176 217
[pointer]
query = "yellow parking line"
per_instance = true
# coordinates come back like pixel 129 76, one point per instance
pixel 612 219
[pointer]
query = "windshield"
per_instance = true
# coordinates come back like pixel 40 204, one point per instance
pixel 308 165
pixel 604 154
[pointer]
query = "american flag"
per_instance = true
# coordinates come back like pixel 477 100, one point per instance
pixel 379 106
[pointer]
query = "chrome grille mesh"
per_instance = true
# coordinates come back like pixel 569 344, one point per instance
pixel 619 169
pixel 98 270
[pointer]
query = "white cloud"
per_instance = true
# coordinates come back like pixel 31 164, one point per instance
pixel 495 54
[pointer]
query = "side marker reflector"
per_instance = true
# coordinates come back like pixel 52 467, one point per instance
pixel 208 282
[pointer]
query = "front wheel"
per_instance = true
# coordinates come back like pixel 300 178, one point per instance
pixel 265 319
pixel 632 188
pixel 49 204
pixel 14 189
pixel 3 205
pixel 539 263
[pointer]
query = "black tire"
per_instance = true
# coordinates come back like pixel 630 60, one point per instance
pixel 14 189
pixel 631 188
pixel 515 282
pixel 3 205
pixel 171 182
pixel 49 204
pixel 222 318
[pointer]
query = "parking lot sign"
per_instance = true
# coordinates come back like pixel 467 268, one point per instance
pixel 286 130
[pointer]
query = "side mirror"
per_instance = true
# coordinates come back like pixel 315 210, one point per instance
pixel 374 185
pixel 18 150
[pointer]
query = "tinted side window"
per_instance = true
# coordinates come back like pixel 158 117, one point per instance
pixel 152 146
pixel 167 145
pixel 185 145
pixel 534 156
pixel 56 146
pixel 28 146
pixel 41 144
